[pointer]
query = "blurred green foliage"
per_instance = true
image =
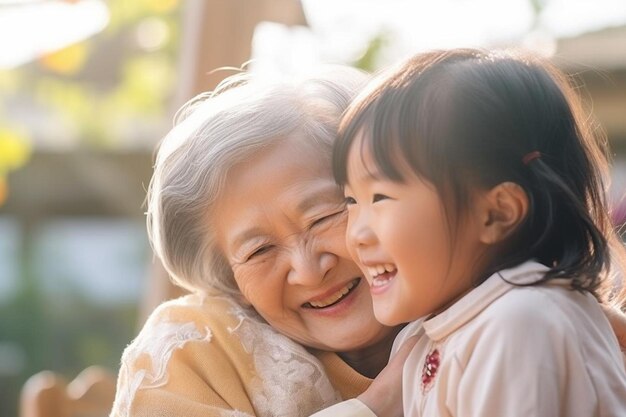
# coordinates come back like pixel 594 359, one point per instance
pixel 64 335
pixel 97 91
pixel 106 84
pixel 369 60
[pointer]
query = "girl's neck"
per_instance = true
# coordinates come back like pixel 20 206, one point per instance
pixel 370 360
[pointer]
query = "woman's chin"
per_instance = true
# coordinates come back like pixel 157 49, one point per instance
pixel 353 338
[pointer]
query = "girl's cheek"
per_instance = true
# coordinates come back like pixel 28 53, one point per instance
pixel 350 243
pixel 354 256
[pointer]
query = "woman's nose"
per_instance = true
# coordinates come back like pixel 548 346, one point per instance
pixel 309 265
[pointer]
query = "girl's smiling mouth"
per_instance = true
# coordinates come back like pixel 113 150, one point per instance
pixel 381 274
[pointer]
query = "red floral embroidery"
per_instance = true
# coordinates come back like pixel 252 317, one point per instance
pixel 430 368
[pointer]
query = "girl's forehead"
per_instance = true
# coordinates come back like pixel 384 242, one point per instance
pixel 360 162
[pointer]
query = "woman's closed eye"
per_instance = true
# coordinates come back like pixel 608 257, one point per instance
pixel 326 218
pixel 259 251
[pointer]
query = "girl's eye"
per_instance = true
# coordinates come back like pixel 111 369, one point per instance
pixel 259 251
pixel 349 201
pixel 379 197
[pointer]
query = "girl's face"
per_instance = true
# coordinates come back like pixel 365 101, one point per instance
pixel 399 235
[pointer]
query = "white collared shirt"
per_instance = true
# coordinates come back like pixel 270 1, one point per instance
pixel 507 351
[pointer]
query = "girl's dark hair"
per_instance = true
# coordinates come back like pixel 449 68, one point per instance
pixel 466 118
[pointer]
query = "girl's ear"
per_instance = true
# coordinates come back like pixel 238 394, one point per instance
pixel 505 207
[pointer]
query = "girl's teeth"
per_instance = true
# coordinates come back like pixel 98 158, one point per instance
pixel 379 274
pixel 379 282
pixel 377 270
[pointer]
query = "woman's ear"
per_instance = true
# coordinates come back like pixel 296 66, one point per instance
pixel 505 207
pixel 242 300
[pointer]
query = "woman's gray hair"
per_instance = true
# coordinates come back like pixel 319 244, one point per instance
pixel 212 133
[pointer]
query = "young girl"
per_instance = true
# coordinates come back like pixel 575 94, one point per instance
pixel 475 193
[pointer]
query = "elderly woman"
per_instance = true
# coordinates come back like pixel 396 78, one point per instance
pixel 243 212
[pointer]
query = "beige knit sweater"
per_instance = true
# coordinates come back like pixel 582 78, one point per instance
pixel 207 356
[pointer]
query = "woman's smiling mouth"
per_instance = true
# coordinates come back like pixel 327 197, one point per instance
pixel 333 298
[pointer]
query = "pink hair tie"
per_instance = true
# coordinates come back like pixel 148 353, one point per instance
pixel 530 156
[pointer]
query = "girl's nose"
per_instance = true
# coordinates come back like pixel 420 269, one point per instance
pixel 358 233
pixel 309 265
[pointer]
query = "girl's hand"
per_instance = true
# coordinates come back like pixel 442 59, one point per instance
pixel 384 396
pixel 617 319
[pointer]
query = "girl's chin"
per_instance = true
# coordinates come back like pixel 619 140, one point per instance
pixel 389 319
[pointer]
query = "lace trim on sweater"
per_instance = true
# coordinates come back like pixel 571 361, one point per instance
pixel 289 380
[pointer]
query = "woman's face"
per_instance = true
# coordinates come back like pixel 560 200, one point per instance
pixel 281 224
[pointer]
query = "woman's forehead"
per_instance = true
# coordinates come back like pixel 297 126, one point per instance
pixel 281 184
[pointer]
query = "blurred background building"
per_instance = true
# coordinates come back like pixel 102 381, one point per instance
pixel 88 88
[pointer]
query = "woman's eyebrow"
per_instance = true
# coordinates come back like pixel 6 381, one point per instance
pixel 244 236
pixel 331 194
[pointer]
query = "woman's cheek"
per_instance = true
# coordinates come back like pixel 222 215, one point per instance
pixel 350 246
pixel 243 277
pixel 256 276
pixel 337 232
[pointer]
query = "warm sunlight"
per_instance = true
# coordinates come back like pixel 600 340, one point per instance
pixel 32 29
